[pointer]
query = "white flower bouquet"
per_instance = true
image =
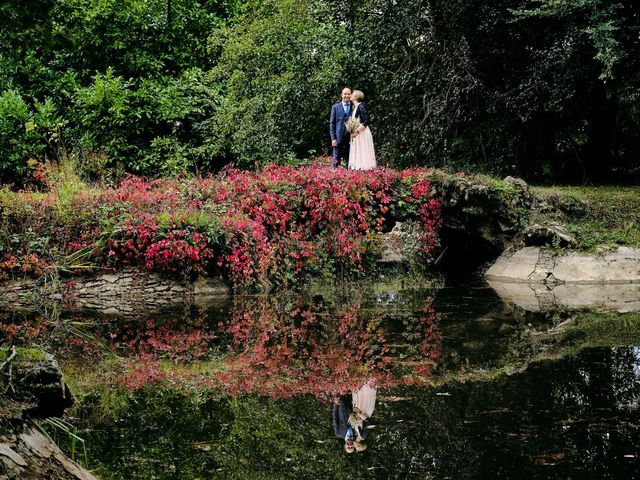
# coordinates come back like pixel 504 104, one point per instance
pixel 352 124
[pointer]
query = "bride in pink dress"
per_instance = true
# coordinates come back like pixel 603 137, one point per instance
pixel 362 155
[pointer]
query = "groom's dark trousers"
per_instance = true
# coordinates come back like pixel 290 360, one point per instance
pixel 338 132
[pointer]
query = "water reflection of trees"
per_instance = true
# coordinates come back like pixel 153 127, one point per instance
pixel 515 426
pixel 256 437
pixel 563 417
pixel 556 419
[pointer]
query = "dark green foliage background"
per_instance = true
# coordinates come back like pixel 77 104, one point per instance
pixel 545 89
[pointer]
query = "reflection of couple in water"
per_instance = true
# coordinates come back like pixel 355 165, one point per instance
pixel 351 417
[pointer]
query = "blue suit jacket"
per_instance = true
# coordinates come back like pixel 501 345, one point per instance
pixel 340 416
pixel 337 129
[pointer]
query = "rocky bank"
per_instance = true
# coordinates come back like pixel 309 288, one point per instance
pixel 32 388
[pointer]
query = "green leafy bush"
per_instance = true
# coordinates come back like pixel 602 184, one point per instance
pixel 26 132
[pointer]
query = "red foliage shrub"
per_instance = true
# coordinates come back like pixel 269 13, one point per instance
pixel 276 225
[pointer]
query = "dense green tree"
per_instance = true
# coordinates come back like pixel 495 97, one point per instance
pixel 542 89
pixel 580 87
pixel 28 133
pixel 127 78
pixel 282 64
pixel 148 126
pixel 546 89
pixel 25 32
pixel 138 39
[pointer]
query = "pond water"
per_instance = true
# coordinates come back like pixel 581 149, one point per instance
pixel 467 385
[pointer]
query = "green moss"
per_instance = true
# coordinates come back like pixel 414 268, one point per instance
pixel 596 216
pixel 24 355
pixel 600 329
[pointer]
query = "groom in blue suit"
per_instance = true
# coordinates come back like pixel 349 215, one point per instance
pixel 340 138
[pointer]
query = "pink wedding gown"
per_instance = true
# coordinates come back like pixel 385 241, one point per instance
pixel 362 155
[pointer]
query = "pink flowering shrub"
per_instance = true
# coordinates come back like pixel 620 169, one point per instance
pixel 176 246
pixel 277 225
pixel 26 265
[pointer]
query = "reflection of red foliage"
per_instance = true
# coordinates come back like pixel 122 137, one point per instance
pixel 143 373
pixel 284 351
pixel 151 340
pixel 321 353
pixel 428 350
pixel 271 346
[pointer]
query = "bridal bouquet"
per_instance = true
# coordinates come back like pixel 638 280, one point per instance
pixel 352 125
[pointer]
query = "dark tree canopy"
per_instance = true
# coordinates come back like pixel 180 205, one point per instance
pixel 544 89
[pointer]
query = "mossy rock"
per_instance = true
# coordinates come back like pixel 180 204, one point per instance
pixel 36 383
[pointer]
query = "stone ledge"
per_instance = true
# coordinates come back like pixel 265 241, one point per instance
pixel 539 297
pixel 539 265
pixel 119 293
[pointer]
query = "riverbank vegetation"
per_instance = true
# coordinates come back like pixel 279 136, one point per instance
pixel 598 217
pixel 277 226
pixel 546 90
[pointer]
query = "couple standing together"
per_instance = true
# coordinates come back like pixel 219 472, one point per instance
pixel 351 417
pixel 353 148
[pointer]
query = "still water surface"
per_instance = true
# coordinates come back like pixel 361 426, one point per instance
pixel 468 386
